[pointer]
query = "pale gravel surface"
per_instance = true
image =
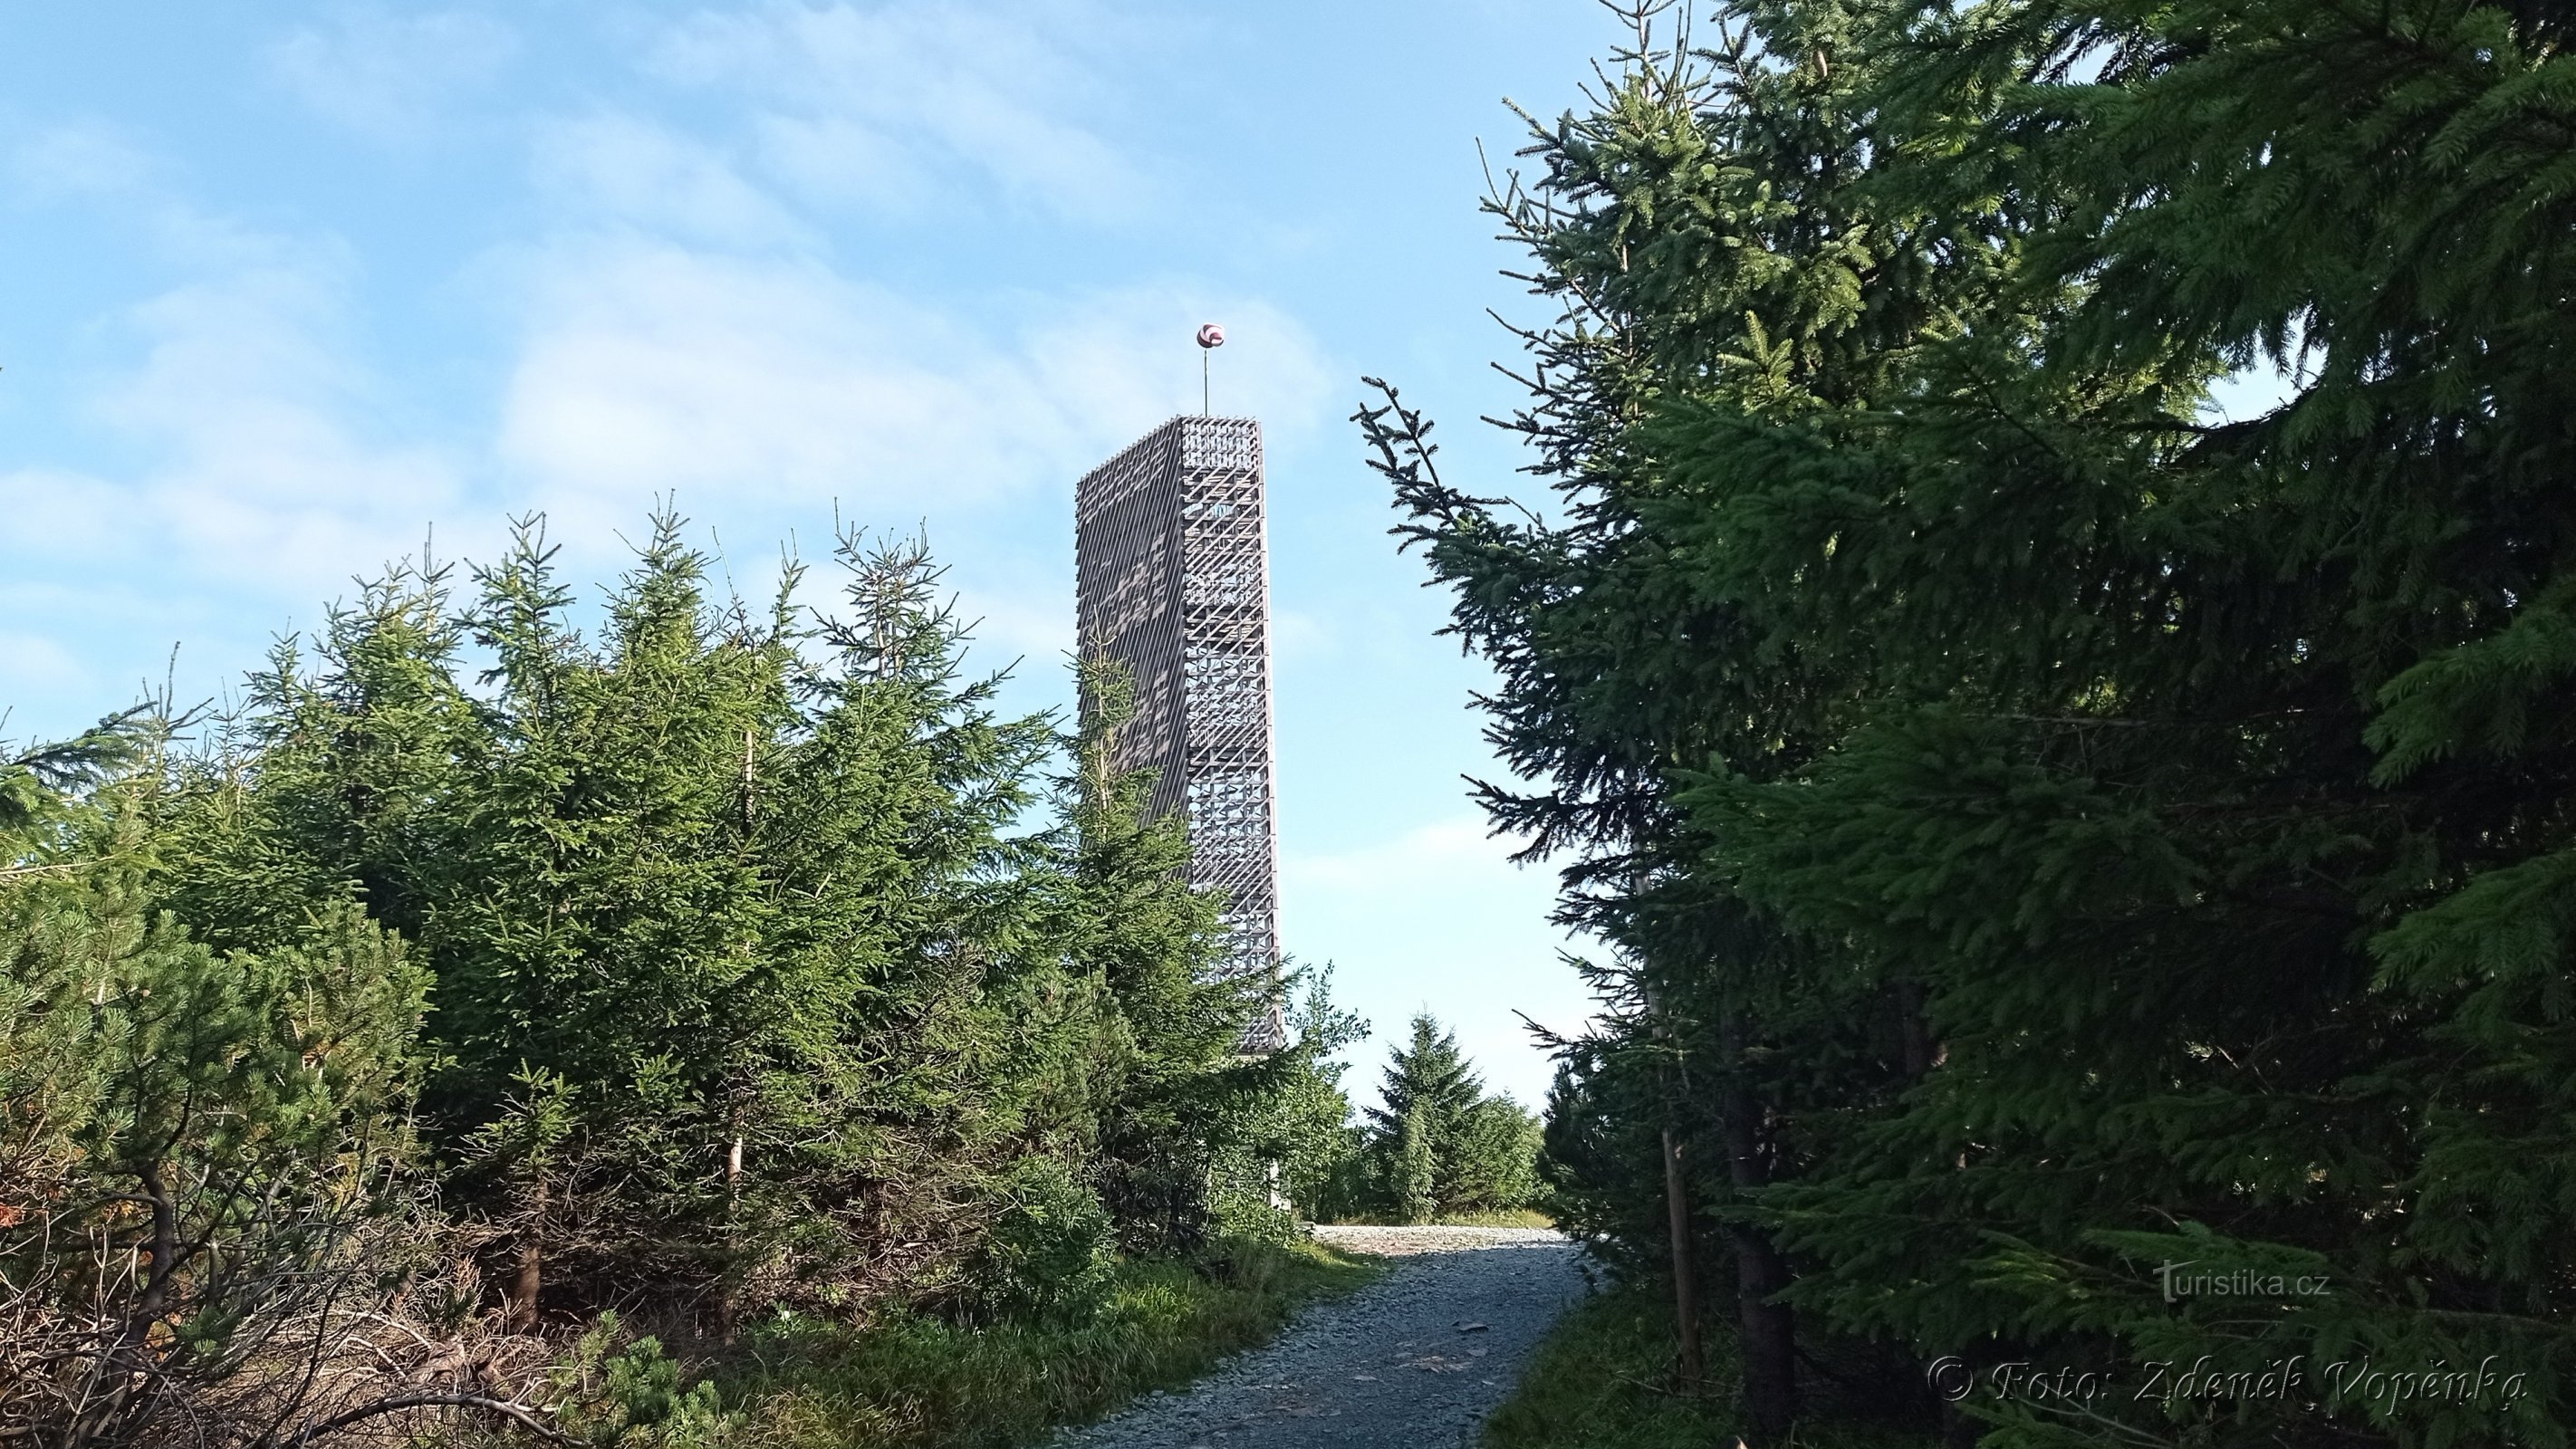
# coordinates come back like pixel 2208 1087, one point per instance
pixel 1401 1364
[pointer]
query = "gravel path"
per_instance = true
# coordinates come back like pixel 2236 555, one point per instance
pixel 1415 1360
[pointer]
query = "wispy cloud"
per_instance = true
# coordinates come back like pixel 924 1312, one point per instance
pixel 675 319
pixel 84 164
pixel 889 105
pixel 649 365
pixel 252 476
pixel 242 470
pixel 390 77
pixel 80 161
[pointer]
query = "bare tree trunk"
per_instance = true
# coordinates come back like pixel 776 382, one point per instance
pixel 1677 1212
pixel 1768 1329
pixel 531 1275
pixel 1685 1288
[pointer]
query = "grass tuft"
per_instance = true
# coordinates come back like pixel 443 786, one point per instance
pixel 1481 1218
pixel 914 1382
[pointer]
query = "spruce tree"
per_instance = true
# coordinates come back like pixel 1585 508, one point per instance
pixel 2051 833
pixel 1496 1157
pixel 1411 1157
pixel 2239 873
pixel 1427 1072
pixel 1706 246
pixel 720 932
pixel 1427 1099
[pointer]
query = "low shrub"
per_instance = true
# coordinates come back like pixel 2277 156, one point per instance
pixel 1051 1251
pixel 626 1394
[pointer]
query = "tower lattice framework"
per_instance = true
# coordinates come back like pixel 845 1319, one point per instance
pixel 1172 580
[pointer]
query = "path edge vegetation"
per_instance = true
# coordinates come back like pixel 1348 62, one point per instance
pixel 920 1382
pixel 1608 1376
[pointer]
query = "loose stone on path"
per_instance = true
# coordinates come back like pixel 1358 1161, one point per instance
pixel 1415 1360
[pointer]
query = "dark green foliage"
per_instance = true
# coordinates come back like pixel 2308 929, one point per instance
pixel 1424 1100
pixel 1599 1382
pixel 1496 1157
pixel 749 925
pixel 2050 831
pixel 1049 1253
pixel 1170 1072
pixel 1429 1077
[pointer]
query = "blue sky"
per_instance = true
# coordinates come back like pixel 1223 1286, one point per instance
pixel 285 289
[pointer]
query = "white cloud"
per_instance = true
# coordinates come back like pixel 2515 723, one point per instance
pixel 832 159
pixel 389 77
pixel 40 666
pixel 245 388
pixel 650 366
pixel 90 165
pixel 881 104
pixel 674 326
pixel 236 488
pixel 247 475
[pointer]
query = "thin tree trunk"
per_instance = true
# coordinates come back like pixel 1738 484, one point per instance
pixel 531 1274
pixel 107 1390
pixel 1677 1213
pixel 1768 1329
pixel 165 1255
pixel 1685 1288
pixel 729 1300
pixel 1922 1053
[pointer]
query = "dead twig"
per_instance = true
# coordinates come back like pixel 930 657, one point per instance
pixel 517 1413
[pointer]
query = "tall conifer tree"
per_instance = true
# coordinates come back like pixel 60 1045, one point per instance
pixel 2129 841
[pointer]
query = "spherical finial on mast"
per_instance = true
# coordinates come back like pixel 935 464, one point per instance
pixel 1211 337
